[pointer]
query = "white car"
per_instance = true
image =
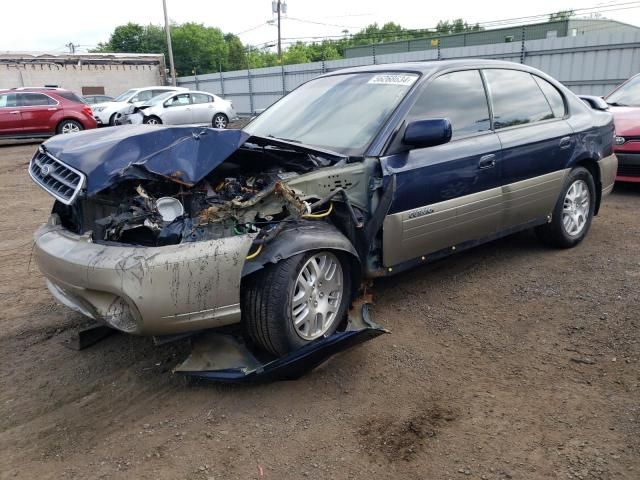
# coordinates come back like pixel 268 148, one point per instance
pixel 105 113
pixel 182 108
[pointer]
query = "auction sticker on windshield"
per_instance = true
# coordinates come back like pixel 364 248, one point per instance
pixel 393 79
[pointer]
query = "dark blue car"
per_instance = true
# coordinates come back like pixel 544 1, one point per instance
pixel 357 174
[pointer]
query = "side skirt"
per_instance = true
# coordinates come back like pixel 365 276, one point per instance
pixel 445 252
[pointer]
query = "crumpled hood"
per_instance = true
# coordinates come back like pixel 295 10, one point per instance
pixel 627 120
pixel 109 155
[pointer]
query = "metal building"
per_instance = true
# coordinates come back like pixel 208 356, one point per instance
pixel 533 31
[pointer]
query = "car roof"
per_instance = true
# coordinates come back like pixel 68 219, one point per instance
pixel 167 87
pixel 34 89
pixel 433 66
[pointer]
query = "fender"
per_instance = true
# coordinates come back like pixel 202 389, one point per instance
pixel 299 238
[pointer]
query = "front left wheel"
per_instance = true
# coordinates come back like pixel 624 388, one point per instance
pixel 69 126
pixel 295 301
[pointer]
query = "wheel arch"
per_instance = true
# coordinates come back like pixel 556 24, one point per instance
pixel 591 164
pixel 305 237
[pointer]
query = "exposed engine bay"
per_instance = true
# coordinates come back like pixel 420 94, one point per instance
pixel 247 193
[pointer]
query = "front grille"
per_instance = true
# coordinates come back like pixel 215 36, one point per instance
pixel 60 180
pixel 628 170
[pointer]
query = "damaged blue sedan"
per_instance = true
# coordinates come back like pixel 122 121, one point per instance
pixel 357 174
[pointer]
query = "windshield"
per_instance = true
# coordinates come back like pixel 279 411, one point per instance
pixel 627 95
pixel 123 97
pixel 340 112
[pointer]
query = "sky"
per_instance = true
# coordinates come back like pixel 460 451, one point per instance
pixel 48 27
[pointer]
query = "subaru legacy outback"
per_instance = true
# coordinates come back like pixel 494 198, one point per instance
pixel 357 174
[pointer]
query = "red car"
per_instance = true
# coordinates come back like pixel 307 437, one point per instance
pixel 624 103
pixel 42 112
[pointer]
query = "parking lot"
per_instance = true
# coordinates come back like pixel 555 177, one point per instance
pixel 511 360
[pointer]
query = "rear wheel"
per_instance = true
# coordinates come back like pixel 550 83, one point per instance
pixel 573 212
pixel 152 121
pixel 220 120
pixel 298 300
pixel 69 126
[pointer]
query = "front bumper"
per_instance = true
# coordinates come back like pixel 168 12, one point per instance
pixel 628 166
pixel 144 290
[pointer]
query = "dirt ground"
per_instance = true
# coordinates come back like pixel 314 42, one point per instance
pixel 510 361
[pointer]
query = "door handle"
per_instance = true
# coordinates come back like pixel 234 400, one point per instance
pixel 487 161
pixel 15 112
pixel 565 142
pixel 52 109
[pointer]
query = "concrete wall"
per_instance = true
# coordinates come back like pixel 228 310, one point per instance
pixel 114 78
pixel 115 72
pixel 588 64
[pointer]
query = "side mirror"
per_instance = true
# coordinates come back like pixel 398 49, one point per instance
pixel 597 103
pixel 427 133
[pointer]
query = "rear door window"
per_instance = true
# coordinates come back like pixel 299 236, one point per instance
pixel 34 100
pixel 516 98
pixel 201 98
pixel 458 96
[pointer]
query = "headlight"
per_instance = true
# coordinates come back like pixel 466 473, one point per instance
pixel 98 109
pixel 620 140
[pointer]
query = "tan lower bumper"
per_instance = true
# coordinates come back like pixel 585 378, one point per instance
pixel 140 290
pixel 608 168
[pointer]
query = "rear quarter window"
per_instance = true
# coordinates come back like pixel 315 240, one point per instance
pixel 72 97
pixel 516 98
pixel 553 96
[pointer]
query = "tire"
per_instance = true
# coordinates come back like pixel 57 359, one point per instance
pixel 153 120
pixel 573 212
pixel 112 120
pixel 69 126
pixel 220 120
pixel 269 304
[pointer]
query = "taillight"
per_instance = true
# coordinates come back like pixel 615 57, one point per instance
pixel 87 109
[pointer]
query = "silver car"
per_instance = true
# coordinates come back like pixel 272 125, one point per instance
pixel 182 108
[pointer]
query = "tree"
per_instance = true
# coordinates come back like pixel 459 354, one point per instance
pixel 561 15
pixel 456 26
pixel 208 49
pixel 236 56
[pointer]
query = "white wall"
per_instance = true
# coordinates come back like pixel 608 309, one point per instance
pixel 114 78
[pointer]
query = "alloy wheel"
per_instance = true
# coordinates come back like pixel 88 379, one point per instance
pixel 219 121
pixel 70 127
pixel 575 210
pixel 317 294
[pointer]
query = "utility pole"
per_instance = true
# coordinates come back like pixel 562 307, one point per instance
pixel 279 7
pixel 167 29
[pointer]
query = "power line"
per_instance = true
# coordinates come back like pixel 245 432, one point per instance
pixel 494 23
pixel 252 28
pixel 320 23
